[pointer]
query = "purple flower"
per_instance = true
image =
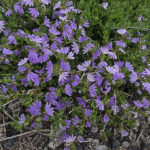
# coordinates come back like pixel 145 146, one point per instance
pixel 57 5
pixel 69 3
pixel 51 98
pixel 146 86
pixel 99 80
pixel 4 89
pixel 28 2
pixel 23 61
pixel 2 23
pixel 49 110
pixel 12 40
pixel 34 108
pixel 121 31
pixel 86 23
pixel 106 119
pixel 46 117
pixel 81 68
pixel 113 70
pixel 64 65
pixel 124 133
pixel 105 5
pixel 68 90
pixel 21 119
pixel 34 12
pixel 70 139
pixel 146 103
pixel 141 18
pixel 88 124
pixel 133 77
pixel 129 66
pixel 18 8
pixel 8 13
pixel 33 77
pixel 67 125
pixel 75 120
pixel 88 112
pixel 54 31
pixel 33 125
pixel 118 76
pixel 46 22
pixel 46 1
pixel 99 104
pixel 138 104
pixel 7 51
pixel 88 48
pixel 80 139
pixel 6 61
pixel 49 68
pixel 119 64
pixel 14 88
pixel 143 47
pixel 97 54
pixel 120 43
pixel 71 55
pixel 80 101
pixel 135 40
pixel 76 80
pixel 63 76
pixel 93 90
pixel 66 148
pixel 90 77
pixel 33 57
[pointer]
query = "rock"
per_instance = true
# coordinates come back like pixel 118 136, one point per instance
pixel 125 144
pixel 80 147
pixel 142 118
pixel 90 140
pixel 96 141
pixel 132 147
pixel 8 143
pixel 148 119
pixel 89 134
pixel 116 143
pixel 54 143
pixel 94 130
pixel 100 147
pixel 86 148
pixel 137 124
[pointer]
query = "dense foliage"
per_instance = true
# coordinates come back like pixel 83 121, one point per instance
pixel 69 80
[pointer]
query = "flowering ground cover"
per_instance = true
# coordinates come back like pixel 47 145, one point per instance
pixel 64 75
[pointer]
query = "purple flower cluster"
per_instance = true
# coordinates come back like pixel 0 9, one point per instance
pixel 73 79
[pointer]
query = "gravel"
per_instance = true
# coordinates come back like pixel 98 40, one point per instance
pixel 125 144
pixel 100 147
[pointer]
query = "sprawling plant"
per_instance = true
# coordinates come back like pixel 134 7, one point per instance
pixel 64 79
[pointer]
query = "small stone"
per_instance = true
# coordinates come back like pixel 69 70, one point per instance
pixel 116 143
pixel 96 141
pixel 148 119
pixel 94 130
pixel 132 147
pixel 8 143
pixel 142 118
pixel 100 147
pixel 125 144
pixel 54 144
pixel 137 124
pixel 79 147
pixel 90 139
